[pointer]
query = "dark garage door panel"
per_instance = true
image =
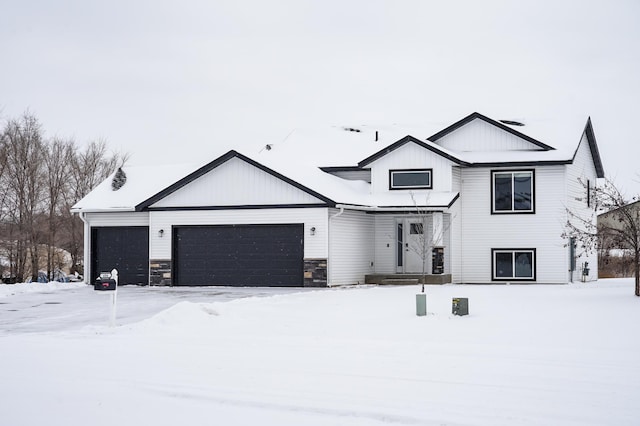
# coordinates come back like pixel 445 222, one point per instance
pixel 240 255
pixel 124 248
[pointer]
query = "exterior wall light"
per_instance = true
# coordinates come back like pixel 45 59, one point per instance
pixel 161 233
pixel 313 230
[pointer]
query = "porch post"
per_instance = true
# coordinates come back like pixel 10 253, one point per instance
pixel 437 230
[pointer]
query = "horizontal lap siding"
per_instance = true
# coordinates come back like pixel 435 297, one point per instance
pixel 581 170
pixel 315 246
pixel 351 247
pixel 455 228
pixel 481 231
pixel 118 219
pixel 385 244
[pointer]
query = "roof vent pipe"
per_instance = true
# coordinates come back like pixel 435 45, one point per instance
pixel 376 136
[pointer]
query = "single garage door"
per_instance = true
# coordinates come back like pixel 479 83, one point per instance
pixel 123 248
pixel 239 255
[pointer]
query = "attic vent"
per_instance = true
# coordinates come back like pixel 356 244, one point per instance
pixel 512 123
pixel 351 129
pixel 119 179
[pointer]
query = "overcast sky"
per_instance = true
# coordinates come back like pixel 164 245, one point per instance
pixel 174 81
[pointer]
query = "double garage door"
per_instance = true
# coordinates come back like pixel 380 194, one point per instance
pixel 239 255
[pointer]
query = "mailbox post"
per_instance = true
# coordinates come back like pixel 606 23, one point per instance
pixel 107 283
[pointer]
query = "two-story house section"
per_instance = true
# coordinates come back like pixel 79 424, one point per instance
pixel 480 201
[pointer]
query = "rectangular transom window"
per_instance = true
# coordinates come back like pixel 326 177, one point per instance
pixel 513 191
pixel 513 264
pixel 410 179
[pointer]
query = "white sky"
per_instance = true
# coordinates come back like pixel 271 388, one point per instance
pixel 179 81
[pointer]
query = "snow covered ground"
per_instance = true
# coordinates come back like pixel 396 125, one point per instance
pixel 526 355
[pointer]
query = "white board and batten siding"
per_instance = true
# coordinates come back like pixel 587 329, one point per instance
pixel 236 183
pixel 481 231
pixel 581 170
pixel 411 156
pixel 478 135
pixel 315 246
pixel 351 247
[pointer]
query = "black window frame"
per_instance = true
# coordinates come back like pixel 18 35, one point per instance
pixel 513 251
pixel 396 188
pixel 532 210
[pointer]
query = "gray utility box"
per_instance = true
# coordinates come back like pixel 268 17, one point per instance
pixel 460 306
pixel 421 304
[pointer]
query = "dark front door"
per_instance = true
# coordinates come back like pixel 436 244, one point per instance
pixel 239 255
pixel 123 248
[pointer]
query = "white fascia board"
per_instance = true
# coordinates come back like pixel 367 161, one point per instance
pixel 105 210
pixel 389 209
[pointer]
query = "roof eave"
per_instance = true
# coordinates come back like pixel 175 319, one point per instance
pixel 401 142
pixel 103 210
pixel 217 162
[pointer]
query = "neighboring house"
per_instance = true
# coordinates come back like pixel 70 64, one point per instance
pixel 349 206
pixel 615 255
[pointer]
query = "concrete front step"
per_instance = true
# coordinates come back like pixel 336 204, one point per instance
pixel 406 279
pixel 399 281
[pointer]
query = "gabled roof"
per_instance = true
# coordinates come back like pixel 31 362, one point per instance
pixel 217 162
pixel 302 160
pixel 498 124
pixel 593 146
pixel 407 139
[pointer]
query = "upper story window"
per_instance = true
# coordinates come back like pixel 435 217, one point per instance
pixel 513 191
pixel 410 179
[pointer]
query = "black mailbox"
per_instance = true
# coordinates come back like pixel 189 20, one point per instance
pixel 105 283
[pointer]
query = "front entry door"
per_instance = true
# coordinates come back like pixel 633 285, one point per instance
pixel 412 246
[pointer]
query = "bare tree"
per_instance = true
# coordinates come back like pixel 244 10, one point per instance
pixel 426 241
pixel 57 158
pixel 621 227
pixel 23 181
pixel 39 182
pixel 87 168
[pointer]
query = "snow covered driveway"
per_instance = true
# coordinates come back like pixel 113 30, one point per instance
pixel 526 355
pixel 37 307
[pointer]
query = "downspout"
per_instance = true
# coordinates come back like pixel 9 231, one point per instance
pixel 86 248
pixel 329 245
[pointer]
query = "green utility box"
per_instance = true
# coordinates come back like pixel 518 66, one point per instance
pixel 421 304
pixel 460 306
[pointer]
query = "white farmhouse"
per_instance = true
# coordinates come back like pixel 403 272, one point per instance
pixel 481 201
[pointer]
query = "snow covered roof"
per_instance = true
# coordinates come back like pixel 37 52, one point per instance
pixel 142 182
pixel 300 157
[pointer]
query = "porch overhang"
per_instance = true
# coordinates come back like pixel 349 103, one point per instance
pixel 442 204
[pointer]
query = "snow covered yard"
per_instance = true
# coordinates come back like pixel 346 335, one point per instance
pixel 530 355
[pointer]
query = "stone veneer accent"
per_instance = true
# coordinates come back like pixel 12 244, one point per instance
pixel 315 272
pixel 160 272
